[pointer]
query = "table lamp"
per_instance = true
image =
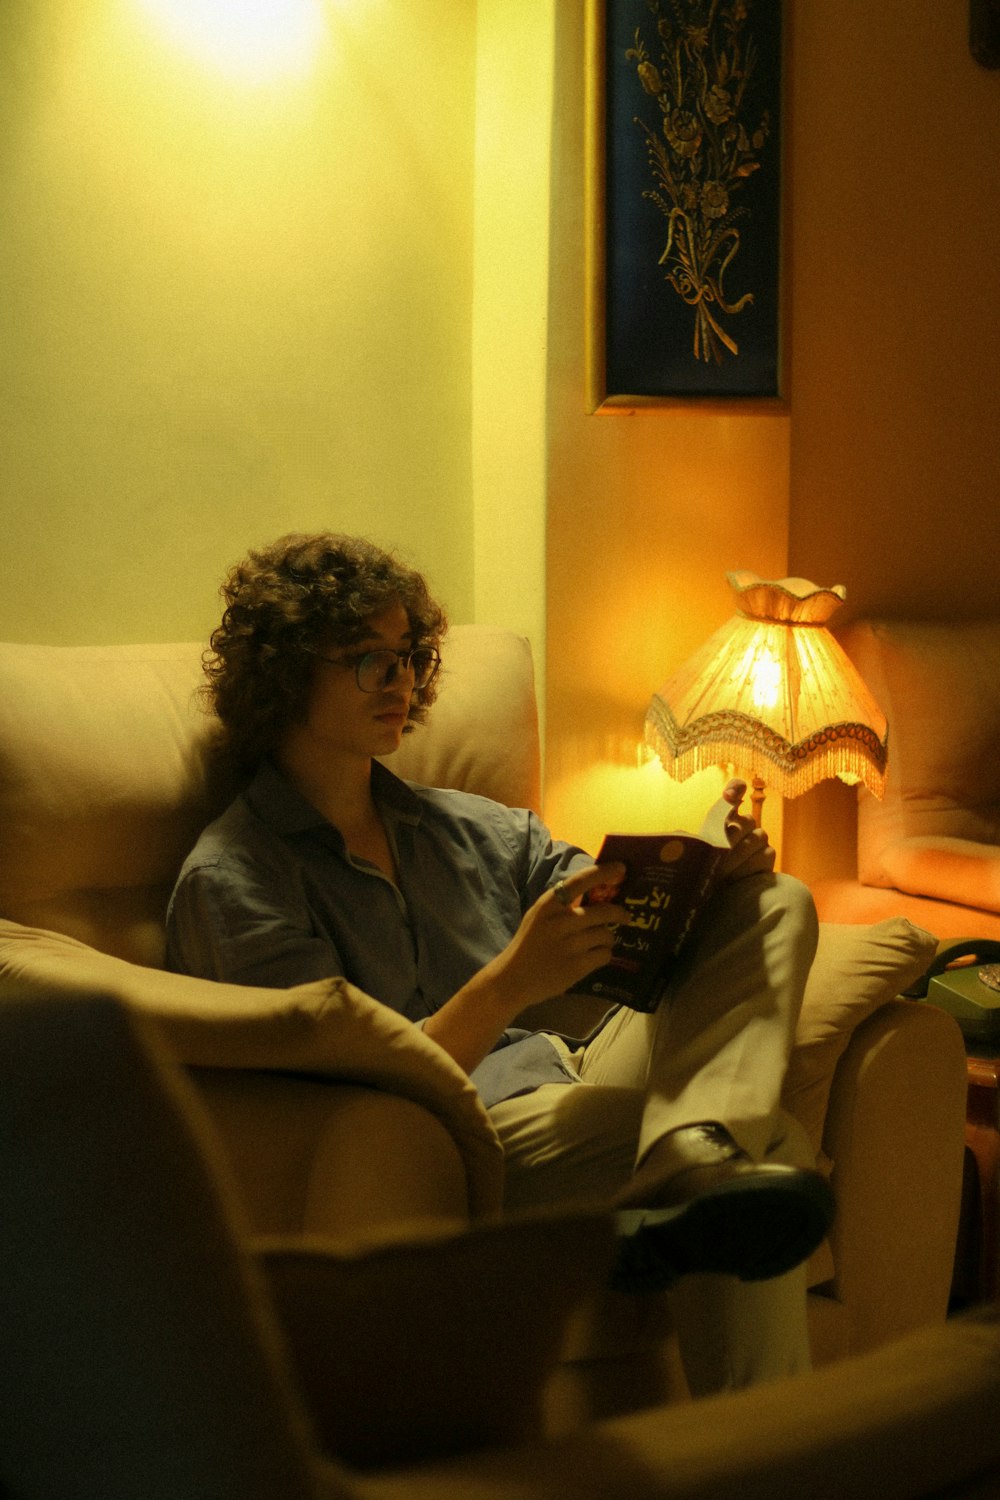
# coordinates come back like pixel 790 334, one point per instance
pixel 773 694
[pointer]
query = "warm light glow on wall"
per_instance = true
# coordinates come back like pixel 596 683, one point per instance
pixel 249 41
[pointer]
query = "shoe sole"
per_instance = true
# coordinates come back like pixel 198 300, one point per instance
pixel 751 1230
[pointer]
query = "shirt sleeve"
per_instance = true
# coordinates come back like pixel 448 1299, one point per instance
pixel 548 860
pixel 237 926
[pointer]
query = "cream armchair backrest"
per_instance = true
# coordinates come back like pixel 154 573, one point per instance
pixel 931 848
pixel 107 773
pixel 939 685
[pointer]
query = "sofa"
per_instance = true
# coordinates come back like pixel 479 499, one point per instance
pixel 930 850
pixel 148 1347
pixel 107 773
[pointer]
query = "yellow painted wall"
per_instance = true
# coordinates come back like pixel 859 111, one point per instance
pixel 232 306
pixel 510 309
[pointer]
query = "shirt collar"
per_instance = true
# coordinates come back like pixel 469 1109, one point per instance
pixel 278 802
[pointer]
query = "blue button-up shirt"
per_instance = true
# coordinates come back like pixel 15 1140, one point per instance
pixel 271 896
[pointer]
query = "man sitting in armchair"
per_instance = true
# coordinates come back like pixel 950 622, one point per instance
pixel 460 913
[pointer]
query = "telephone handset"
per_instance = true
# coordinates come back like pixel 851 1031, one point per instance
pixel 964 980
pixel 979 951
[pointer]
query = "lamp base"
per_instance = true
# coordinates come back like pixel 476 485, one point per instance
pixel 757 800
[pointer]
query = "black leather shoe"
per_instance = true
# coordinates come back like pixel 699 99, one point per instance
pixel 732 1217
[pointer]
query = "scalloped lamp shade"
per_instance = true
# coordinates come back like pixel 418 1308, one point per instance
pixel 773 694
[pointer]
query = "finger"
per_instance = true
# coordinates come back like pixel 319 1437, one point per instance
pixel 734 791
pixel 751 846
pixel 603 915
pixel 738 829
pixel 569 891
pixel 761 863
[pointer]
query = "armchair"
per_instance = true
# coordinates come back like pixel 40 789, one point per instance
pixel 148 1347
pixel 106 776
pixel 931 849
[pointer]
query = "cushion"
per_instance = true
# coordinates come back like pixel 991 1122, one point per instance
pixel 937 684
pixel 328 1029
pixel 107 774
pixel 946 869
pixel 844 900
pixel 105 783
pixel 855 971
pixel 482 733
pixel 914 1418
pixel 439 1344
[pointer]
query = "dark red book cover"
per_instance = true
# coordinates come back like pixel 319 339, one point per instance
pixel 668 879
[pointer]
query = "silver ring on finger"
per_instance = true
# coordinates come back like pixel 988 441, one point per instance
pixel 562 894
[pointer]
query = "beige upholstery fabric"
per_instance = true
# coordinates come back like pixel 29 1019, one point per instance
pixel 104 786
pixel 856 970
pixel 328 1029
pixel 482 734
pixel 107 775
pixel 138 1357
pixel 937 832
pixel 895 1134
pixel 915 1419
pixel 450 1355
pixel 848 901
pixel 140 1354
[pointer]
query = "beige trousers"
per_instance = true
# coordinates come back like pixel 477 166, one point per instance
pixel 716 1049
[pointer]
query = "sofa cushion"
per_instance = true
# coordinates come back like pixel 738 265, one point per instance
pixel 842 900
pixel 937 831
pixel 855 971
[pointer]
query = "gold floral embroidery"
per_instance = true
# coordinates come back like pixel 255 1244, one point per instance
pixel 702 152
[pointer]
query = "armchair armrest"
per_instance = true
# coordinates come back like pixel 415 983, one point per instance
pixel 328 1030
pixel 895 1134
pixel 948 869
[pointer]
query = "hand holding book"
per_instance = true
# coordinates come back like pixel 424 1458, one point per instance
pixel 751 854
pixel 668 881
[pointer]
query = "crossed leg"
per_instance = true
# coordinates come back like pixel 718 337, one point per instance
pixel 715 1051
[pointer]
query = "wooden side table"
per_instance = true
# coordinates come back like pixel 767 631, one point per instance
pixel 981 1216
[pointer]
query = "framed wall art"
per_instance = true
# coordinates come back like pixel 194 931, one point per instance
pixel 684 201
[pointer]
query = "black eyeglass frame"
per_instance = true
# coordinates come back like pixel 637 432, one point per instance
pixel 403 660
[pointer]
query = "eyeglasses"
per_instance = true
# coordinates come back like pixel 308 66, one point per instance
pixel 375 670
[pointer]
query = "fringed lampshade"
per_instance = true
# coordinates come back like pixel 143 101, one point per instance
pixel 773 694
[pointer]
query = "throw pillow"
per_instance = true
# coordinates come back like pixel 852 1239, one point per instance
pixel 855 971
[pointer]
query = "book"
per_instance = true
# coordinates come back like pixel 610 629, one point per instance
pixel 669 878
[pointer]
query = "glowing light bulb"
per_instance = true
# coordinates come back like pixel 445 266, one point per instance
pixel 765 680
pixel 248 40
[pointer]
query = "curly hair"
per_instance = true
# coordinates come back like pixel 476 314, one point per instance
pixel 285 600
